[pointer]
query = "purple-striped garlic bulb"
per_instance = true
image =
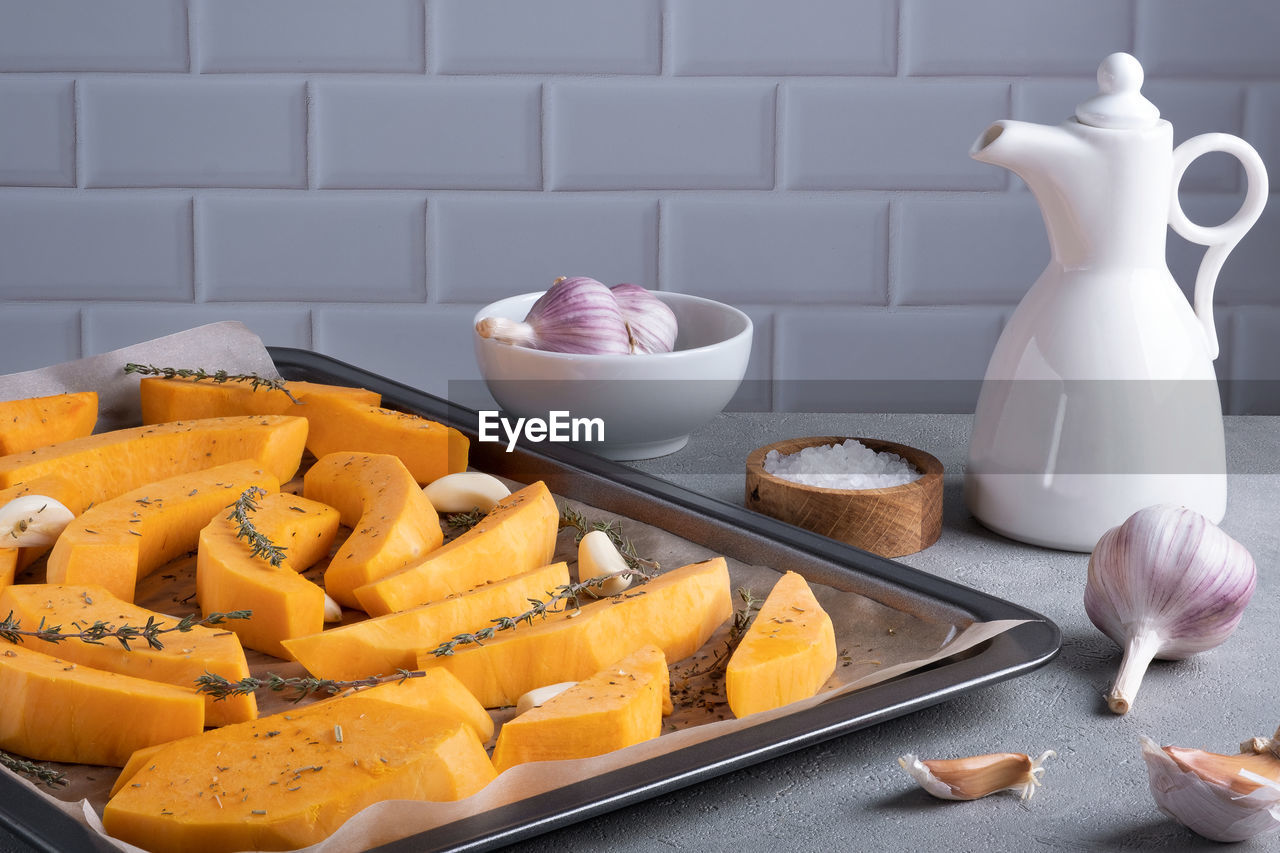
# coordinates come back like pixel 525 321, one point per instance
pixel 651 325
pixel 575 315
pixel 1165 584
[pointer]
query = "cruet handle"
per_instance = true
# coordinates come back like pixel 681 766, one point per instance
pixel 1220 239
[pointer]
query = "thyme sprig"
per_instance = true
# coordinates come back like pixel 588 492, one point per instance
pixel 564 596
pixel 98 632
pixel 570 517
pixel 39 772
pixel 260 545
pixel 199 373
pixel 742 619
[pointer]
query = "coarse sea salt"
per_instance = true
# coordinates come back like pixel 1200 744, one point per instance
pixel 851 465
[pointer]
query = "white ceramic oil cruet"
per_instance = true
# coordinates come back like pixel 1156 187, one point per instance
pixel 1100 397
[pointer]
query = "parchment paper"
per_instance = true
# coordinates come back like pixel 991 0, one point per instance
pixel 874 642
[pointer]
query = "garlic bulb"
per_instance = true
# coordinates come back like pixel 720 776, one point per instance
pixel 1165 584
pixel 1222 797
pixel 977 776
pixel 651 325
pixel 576 315
pixel 32 521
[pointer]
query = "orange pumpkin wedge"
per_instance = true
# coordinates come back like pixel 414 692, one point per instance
pixel 677 611
pixel 37 421
pixel 103 466
pixel 185 656
pixel 116 542
pixel 393 524
pixel 8 566
pixel 438 692
pixel 517 535
pixel 435 691
pixel 387 643
pixel 786 655
pixel 179 399
pixel 428 449
pixel 620 706
pixel 58 710
pixel 291 779
pixel 283 603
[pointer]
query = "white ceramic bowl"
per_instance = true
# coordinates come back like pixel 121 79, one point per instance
pixel 648 403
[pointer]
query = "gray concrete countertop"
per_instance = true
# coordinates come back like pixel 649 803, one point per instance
pixel 849 794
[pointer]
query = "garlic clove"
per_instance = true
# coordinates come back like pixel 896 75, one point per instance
pixel 539 696
pixel 651 325
pixel 465 491
pixel 1167 583
pixel 1196 789
pixel 332 610
pixel 598 557
pixel 1224 770
pixel 32 521
pixel 977 776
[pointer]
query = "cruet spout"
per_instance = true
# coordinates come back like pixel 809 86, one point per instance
pixel 1061 168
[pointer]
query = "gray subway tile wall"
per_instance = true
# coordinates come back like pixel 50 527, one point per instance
pixel 360 176
pixel 427 134
pixel 71 35
pixel 95 247
pixel 308 35
pixel 184 132
pixel 304 246
pixel 37 137
pixel 487 246
pixel 545 37
pixel 765 37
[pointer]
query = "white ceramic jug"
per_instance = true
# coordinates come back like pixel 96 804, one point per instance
pixel 1100 398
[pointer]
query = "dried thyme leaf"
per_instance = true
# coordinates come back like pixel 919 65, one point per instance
pixel 37 772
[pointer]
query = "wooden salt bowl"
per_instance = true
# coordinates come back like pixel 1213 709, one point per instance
pixel 891 522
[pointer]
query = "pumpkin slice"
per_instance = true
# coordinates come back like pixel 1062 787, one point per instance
pixel 387 643
pixel 57 710
pixel 428 449
pixel 435 692
pixel 438 692
pixel 620 706
pixel 8 566
pixel 677 611
pixel 283 603
pixel 185 657
pixel 108 464
pixel 38 421
pixel 291 779
pixel 116 542
pixel 392 522
pixel 786 655
pixel 179 399
pixel 517 535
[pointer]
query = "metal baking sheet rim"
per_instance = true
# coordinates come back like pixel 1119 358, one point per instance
pixel 1006 656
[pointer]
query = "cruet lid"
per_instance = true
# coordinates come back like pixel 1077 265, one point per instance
pixel 1119 104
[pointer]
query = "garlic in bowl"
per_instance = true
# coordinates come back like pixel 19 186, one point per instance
pixel 647 403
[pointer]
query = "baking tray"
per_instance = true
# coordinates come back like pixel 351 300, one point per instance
pixel 728 529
